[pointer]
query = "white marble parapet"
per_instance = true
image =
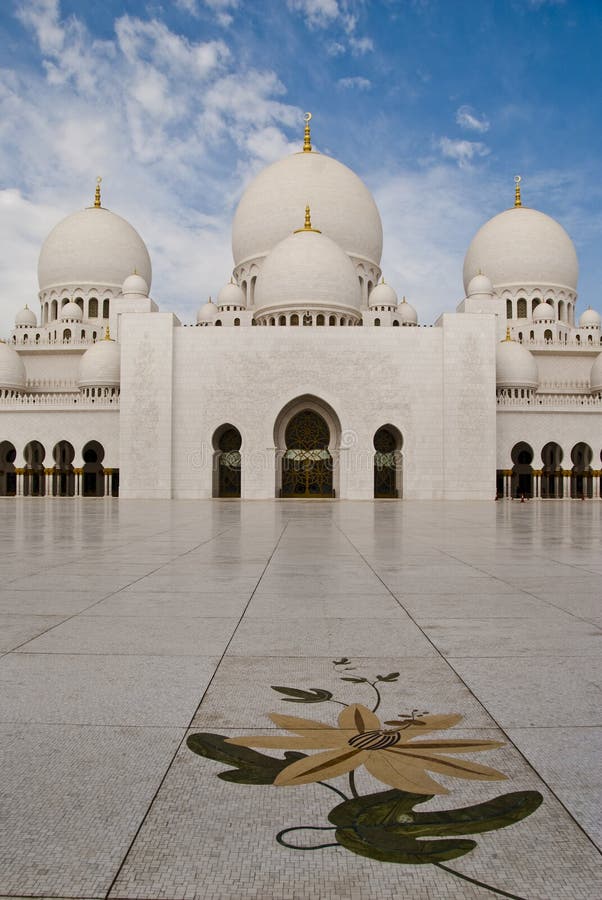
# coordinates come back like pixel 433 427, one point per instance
pixel 551 401
pixel 58 400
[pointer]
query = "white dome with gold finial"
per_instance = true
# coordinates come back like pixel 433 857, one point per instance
pixel 268 211
pixel 100 366
pixel 26 318
pixel 92 247
pixel 383 295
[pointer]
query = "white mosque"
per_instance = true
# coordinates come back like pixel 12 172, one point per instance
pixel 337 392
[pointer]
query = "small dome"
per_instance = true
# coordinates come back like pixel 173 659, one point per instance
pixel 522 247
pixel 207 313
pixel 12 369
pixel 100 366
pixel 340 202
pixel 135 284
pixel 308 270
pixel 92 246
pixel 589 318
pixel 25 317
pixel 480 284
pixel 544 312
pixel 382 295
pixel 595 378
pixel 71 311
pixel 515 365
pixel 231 295
pixel 407 313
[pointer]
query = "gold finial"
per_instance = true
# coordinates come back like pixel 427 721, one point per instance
pixel 307 138
pixel 307 226
pixel 508 338
pixel 403 299
pixel 107 336
pixel 97 202
pixel 517 181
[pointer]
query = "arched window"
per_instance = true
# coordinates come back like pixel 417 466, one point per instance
pixel 332 320
pixel 531 335
pixel 377 322
pixel 53 310
pixel 342 321
pixel 93 308
pixel 218 322
pixel 521 308
pixel 33 474
pixel 282 320
pixel 105 308
pixel 237 321
pixel 395 323
pixel 534 303
pixel 308 319
pixel 581 472
pixel 64 301
pixel 508 309
pixel 578 338
pixel 547 335
pixel 387 462
pixel 63 475
pixel 79 301
pixel 272 321
pixel 551 473
pixel 227 461
pixel 67 335
pixel 82 335
pixel 294 319
pixel 320 318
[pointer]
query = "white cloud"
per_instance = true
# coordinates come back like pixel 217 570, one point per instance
pixel 360 46
pixel 463 152
pixel 317 13
pixel 467 118
pixel 355 81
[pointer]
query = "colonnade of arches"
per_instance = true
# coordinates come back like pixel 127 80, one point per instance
pixel 307 444
pixel 309 319
pixel 555 477
pixel 91 307
pixel 523 308
pixel 56 476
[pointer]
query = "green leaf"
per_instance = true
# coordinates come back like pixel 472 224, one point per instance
pixel 384 826
pixel 355 680
pixel 294 695
pixel 251 767
pixel 392 676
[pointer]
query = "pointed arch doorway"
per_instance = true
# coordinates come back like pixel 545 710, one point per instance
pixel 307 434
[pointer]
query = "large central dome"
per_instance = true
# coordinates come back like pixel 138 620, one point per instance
pixel 340 201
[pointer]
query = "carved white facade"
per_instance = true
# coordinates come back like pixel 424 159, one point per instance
pixel 308 377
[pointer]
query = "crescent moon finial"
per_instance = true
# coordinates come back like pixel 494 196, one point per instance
pixel 97 202
pixel 517 199
pixel 307 138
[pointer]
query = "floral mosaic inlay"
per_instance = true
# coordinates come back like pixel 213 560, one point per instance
pixel 398 753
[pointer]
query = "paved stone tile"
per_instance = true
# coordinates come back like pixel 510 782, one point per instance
pixel 102 690
pixel 153 636
pixel 147 605
pixel 514 637
pixel 47 603
pixel 325 636
pixel 425 607
pixel 17 629
pixel 65 831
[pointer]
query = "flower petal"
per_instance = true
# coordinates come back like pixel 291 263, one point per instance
pixel 455 768
pixel 298 725
pixel 359 718
pixel 459 746
pixel 430 723
pixel 319 740
pixel 322 766
pixel 402 774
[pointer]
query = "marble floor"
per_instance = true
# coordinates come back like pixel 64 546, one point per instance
pixel 126 627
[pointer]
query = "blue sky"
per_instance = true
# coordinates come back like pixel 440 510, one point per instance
pixel 436 104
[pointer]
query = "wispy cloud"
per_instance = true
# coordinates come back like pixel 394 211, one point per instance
pixel 317 13
pixel 463 152
pixel 467 118
pixel 355 81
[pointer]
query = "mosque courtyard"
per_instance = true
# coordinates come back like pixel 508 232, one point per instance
pixel 130 626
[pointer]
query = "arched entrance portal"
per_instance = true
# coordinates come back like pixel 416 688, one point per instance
pixel 8 476
pixel 307 465
pixel 227 478
pixel 522 471
pixel 387 463
pixel 93 482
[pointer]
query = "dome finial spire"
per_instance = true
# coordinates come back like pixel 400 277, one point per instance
pixel 307 225
pixel 508 338
pixel 307 137
pixel 107 336
pixel 97 202
pixel 517 200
